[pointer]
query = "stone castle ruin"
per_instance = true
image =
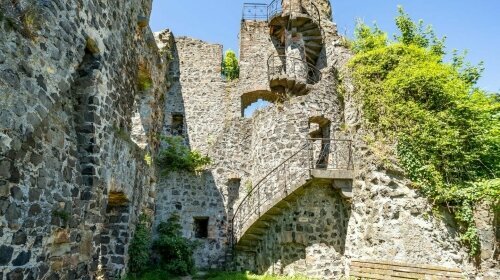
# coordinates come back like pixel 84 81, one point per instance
pixel 293 189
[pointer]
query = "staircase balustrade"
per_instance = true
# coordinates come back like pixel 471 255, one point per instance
pixel 285 178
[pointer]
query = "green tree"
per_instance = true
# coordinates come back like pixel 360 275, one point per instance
pixel 447 130
pixel 230 67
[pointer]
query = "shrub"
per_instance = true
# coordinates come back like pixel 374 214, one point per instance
pixel 175 251
pixel 230 67
pixel 140 247
pixel 178 157
pixel 446 130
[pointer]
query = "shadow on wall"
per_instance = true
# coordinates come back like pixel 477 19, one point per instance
pixel 175 112
pixel 194 197
pixel 200 206
pixel 309 237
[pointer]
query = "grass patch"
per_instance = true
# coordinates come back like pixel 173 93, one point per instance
pixel 248 276
pixel 159 274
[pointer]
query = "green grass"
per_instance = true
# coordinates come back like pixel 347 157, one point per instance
pixel 247 276
pixel 156 274
pixel 162 275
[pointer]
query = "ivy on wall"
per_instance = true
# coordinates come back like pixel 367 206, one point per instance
pixel 446 129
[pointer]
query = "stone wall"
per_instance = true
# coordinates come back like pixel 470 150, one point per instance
pixel 307 238
pixel 85 93
pixel 196 196
pixel 71 85
pixel 197 93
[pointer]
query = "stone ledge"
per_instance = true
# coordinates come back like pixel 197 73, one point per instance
pixel 332 174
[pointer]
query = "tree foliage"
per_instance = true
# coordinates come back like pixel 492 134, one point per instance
pixel 230 66
pixel 447 130
pixel 176 157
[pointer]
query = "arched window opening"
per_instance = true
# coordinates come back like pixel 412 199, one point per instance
pixel 257 105
pixel 255 100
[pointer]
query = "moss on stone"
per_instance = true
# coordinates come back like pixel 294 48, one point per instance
pixel 144 80
pixel 117 199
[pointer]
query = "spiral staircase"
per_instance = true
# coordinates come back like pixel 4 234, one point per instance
pixel 292 23
pixel 289 22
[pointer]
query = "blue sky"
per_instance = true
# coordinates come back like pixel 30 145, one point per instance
pixel 472 25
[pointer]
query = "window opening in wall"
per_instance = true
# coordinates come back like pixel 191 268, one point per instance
pixel 201 227
pixel 320 133
pixel 233 189
pixel 177 124
pixel 257 105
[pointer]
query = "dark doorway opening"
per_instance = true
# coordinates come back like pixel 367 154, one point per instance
pixel 177 124
pixel 201 227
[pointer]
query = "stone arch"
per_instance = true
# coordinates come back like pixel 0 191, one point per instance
pixel 251 97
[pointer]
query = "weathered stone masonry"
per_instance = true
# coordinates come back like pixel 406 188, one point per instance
pixel 69 91
pixel 84 94
pixel 383 220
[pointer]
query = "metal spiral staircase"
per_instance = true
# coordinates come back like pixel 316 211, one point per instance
pixel 324 160
pixel 289 20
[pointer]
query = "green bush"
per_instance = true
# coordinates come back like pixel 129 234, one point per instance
pixel 175 251
pixel 140 248
pixel 230 67
pixel 447 131
pixel 177 157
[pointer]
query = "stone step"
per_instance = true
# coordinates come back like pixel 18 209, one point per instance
pixel 300 20
pixel 311 32
pixel 309 26
pixel 313 45
pixel 313 38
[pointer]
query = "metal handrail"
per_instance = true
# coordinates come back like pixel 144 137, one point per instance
pixel 255 11
pixel 274 9
pixel 332 154
pixel 289 179
pixel 257 187
pixel 313 74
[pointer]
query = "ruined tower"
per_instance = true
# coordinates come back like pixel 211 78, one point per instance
pixel 293 188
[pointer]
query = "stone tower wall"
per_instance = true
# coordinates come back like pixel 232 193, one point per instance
pixel 86 91
pixel 70 93
pixel 308 238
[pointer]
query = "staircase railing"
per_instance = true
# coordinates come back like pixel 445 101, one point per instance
pixel 274 183
pixel 292 172
pixel 292 67
pixel 329 153
pixel 259 11
pixel 274 9
pixel 255 11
